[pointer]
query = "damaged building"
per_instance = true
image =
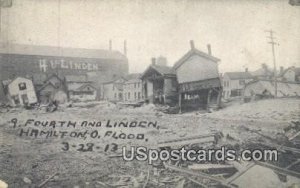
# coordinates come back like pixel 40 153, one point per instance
pixel 20 91
pixel 159 84
pixel 54 89
pixel 198 79
pixel 41 62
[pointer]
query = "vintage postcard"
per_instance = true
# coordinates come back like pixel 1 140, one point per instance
pixel 149 93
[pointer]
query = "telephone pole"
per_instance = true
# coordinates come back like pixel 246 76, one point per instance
pixel 271 37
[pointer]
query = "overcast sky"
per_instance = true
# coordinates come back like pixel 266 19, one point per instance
pixel 234 28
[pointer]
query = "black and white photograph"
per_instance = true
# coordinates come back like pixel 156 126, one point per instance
pixel 149 94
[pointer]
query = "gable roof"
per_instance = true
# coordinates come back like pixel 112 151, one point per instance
pixel 238 75
pixel 163 70
pixel 192 52
pixel 45 85
pixel 122 79
pixel 60 51
pixel 85 85
pixel 77 86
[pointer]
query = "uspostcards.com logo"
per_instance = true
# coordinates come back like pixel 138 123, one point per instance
pixel 222 154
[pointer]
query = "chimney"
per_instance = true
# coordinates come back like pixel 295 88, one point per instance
pixel 209 49
pixel 110 45
pixel 153 61
pixel 125 48
pixel 192 44
pixel 246 69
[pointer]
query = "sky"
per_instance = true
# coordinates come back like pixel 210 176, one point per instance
pixel 236 29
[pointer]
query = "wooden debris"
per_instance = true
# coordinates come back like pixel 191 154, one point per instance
pixel 48 179
pixel 148 175
pixel 208 138
pixel 199 174
pixel 198 182
pixel 278 169
pixel 281 147
pixel 241 170
pixel 208 166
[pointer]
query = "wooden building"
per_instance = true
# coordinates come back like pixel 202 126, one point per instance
pixel 20 91
pixel 198 78
pixel 159 84
pixel 79 88
pixel 113 90
pixel 133 90
pixel 234 83
pixel 54 89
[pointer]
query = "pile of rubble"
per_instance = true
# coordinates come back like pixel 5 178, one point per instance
pixel 214 173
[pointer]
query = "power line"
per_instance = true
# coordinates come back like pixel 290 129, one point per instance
pixel 273 43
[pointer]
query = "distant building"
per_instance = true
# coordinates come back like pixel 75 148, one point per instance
pixel 83 92
pixel 79 88
pixel 198 78
pixel 159 84
pixel 113 90
pixel 132 89
pixel 291 74
pixel 234 83
pixel 20 91
pixel 259 89
pixel 263 73
pixel 41 61
pixel 54 89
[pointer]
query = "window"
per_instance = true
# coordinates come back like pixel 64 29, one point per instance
pixel 22 86
pixel 139 95
pixel 135 95
pixel 134 85
pixel 128 96
pixel 115 95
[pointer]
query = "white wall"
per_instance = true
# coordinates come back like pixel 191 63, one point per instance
pixel 14 90
pixel 197 68
pixel 134 87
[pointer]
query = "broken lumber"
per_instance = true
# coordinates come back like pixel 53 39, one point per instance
pixel 240 172
pixel 281 147
pixel 279 169
pixel 48 179
pixel 209 166
pixel 147 180
pixel 199 174
pixel 197 182
pixel 209 138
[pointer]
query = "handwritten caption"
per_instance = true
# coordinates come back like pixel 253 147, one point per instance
pixel 91 131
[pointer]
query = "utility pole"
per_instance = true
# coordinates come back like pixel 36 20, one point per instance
pixel 271 37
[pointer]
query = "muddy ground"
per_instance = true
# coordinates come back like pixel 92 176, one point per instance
pixel 26 161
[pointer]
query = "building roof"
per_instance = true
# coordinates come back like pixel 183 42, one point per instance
pixel 77 86
pixel 163 70
pixel 192 52
pixel 60 51
pixel 116 80
pixel 238 75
